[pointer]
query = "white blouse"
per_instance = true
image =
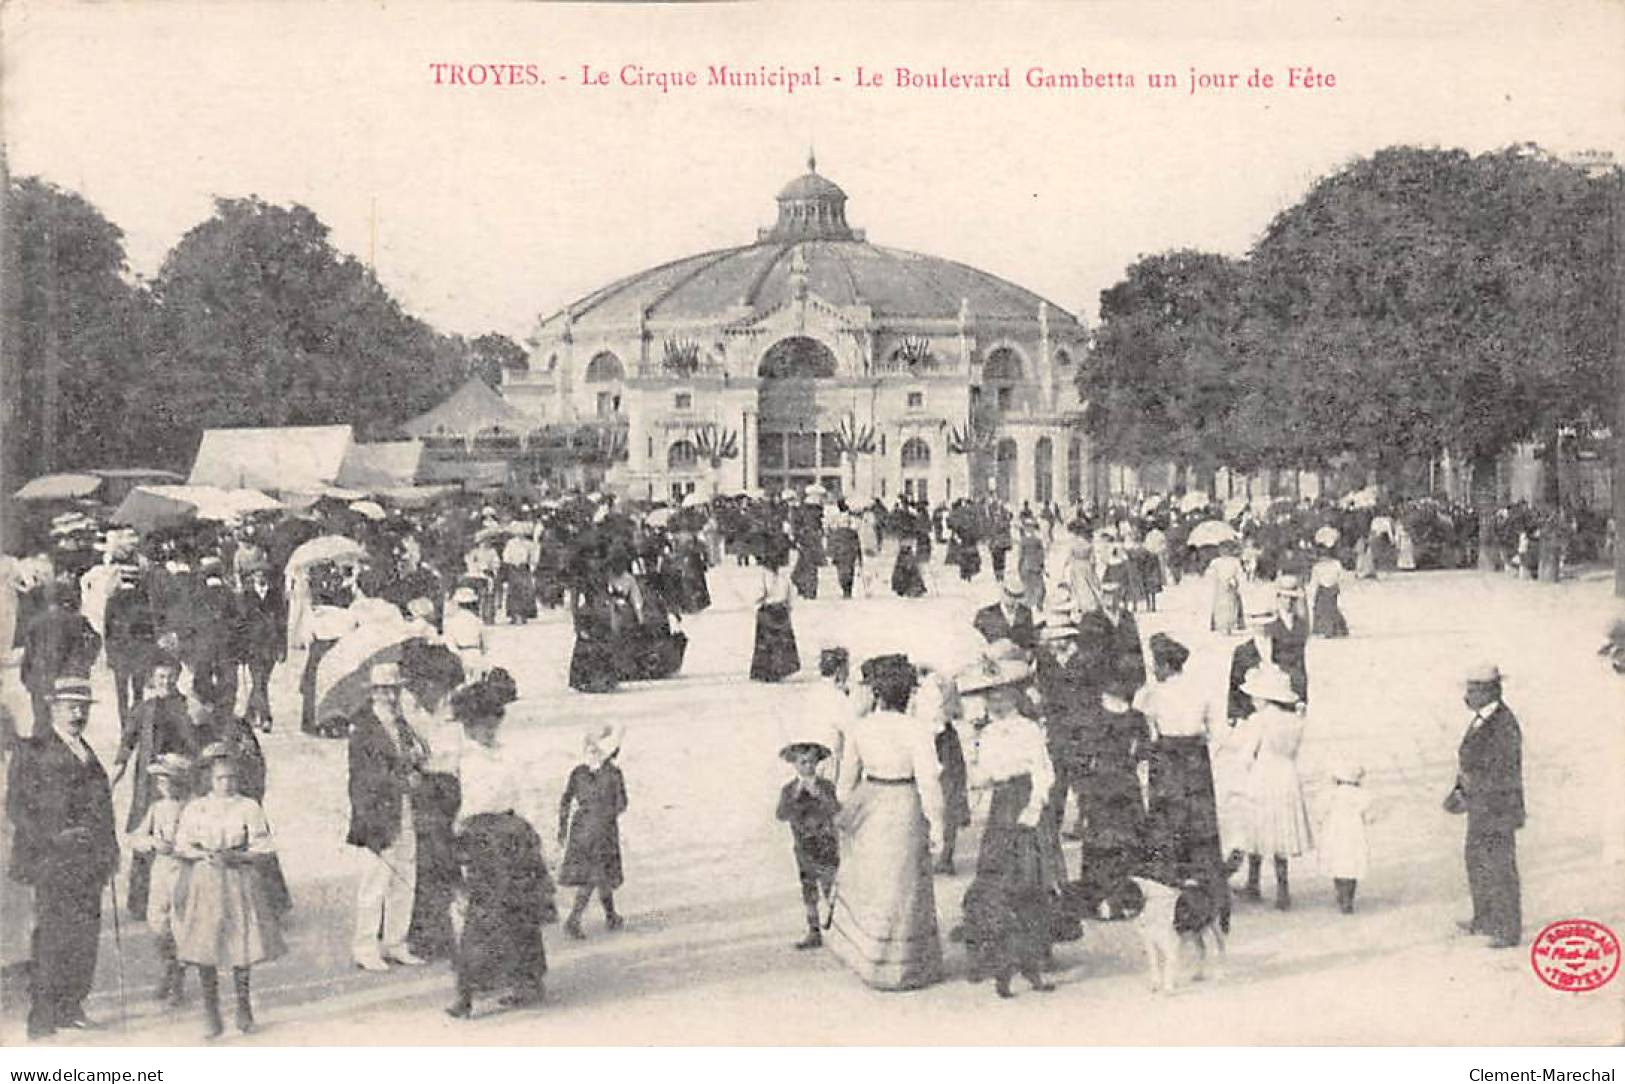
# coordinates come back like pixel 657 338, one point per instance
pixel 488 783
pixel 1010 747
pixel 1178 707
pixel 892 745
pixel 776 587
pixel 215 823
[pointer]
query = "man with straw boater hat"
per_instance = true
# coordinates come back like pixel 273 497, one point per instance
pixel 1009 619
pixel 1489 790
pixel 61 806
pixel 386 759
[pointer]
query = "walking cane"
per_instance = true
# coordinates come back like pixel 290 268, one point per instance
pixel 118 952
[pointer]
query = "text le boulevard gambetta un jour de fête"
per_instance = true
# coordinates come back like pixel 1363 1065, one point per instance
pixel 787 79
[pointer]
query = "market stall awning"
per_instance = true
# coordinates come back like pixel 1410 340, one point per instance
pixel 60 487
pixel 147 511
pixel 287 458
pixel 385 465
pixel 472 408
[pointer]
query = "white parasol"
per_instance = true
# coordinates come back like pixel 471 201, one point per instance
pixel 1210 533
pixel 328 547
pixel 1193 501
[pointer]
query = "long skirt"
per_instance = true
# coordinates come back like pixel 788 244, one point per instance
pixel 1226 608
pixel 506 898
pixel 1328 620
pixel 1010 906
pixel 434 808
pixel 775 656
pixel 1182 818
pixel 805 576
pixel 593 665
pixel 1113 826
pixel 651 652
pixel 906 581
pixel 223 918
pixel 884 922
pixel 519 592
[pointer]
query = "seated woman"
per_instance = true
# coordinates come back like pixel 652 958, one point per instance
pixel 506 894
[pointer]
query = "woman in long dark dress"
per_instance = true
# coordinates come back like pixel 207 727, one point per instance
pixel 505 895
pixel 906 580
pixel 775 655
pixel 1113 739
pixel 429 672
pixel 1182 816
pixel 695 592
pixel 1010 906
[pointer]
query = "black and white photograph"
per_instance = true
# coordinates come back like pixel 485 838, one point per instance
pixel 724 525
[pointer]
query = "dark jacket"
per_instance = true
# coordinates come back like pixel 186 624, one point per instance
pixel 1291 646
pixel 1243 661
pixel 56 643
pixel 1111 652
pixel 132 630
pixel 992 623
pixel 261 625
pixel 1489 775
pixel 51 791
pixel 382 771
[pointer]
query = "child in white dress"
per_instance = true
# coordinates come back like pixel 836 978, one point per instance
pixel 155 835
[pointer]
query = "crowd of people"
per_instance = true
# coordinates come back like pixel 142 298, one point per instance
pixel 1067 709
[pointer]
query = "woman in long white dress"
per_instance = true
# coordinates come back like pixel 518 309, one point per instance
pixel 884 911
pixel 1225 572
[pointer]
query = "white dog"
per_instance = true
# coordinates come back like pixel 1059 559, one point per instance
pixel 1170 919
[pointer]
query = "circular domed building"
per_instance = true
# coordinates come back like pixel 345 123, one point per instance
pixel 815 357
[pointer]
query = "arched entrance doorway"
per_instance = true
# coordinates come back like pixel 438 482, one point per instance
pixel 794 448
pixel 916 454
pixel 1004 470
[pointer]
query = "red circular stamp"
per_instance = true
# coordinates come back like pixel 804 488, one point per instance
pixel 1575 955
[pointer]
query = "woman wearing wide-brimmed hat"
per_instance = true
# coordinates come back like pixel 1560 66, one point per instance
pixel 506 894
pixel 1278 816
pixel 1326 577
pixel 884 921
pixel 1011 904
pixel 224 918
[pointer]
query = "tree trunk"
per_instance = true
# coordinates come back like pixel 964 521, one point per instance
pixel 1551 530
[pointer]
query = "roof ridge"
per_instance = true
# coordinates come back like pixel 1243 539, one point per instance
pixel 603 293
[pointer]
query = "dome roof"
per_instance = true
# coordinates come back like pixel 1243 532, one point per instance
pixel 811 244
pixel 811 186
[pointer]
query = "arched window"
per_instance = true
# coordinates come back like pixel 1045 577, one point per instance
pixel 916 454
pixel 682 455
pixel 1074 470
pixel 1003 365
pixel 605 368
pixel 797 358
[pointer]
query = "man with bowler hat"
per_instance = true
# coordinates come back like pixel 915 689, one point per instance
pixel 1489 790
pixel 61 806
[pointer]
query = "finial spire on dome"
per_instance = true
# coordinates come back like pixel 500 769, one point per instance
pixel 812 159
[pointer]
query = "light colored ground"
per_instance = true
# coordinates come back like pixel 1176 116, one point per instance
pixel 713 906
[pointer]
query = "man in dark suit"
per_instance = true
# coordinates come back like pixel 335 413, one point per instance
pixel 1489 790
pixel 61 807
pixel 845 552
pixel 386 757
pixel 1008 619
pixel 262 638
pixel 1248 656
pixel 1289 635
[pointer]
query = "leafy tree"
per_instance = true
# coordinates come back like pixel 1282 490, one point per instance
pixel 490 355
pixel 71 331
pixel 258 320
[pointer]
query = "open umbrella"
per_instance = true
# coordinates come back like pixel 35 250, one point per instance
pixel 658 518
pixel 328 547
pixel 343 677
pixel 693 500
pixel 370 509
pixel 1210 533
pixel 60 487
pixel 147 511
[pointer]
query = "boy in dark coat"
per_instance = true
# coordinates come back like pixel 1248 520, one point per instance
pixel 807 803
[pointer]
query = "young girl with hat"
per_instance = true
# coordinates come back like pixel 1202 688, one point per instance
pixel 155 836
pixel 807 803
pixel 225 919
pixel 589 827
pixel 1279 818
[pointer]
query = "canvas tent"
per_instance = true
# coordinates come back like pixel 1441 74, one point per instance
pixel 288 458
pixel 471 409
pixel 389 465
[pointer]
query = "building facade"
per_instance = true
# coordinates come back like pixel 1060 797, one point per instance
pixel 812 356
